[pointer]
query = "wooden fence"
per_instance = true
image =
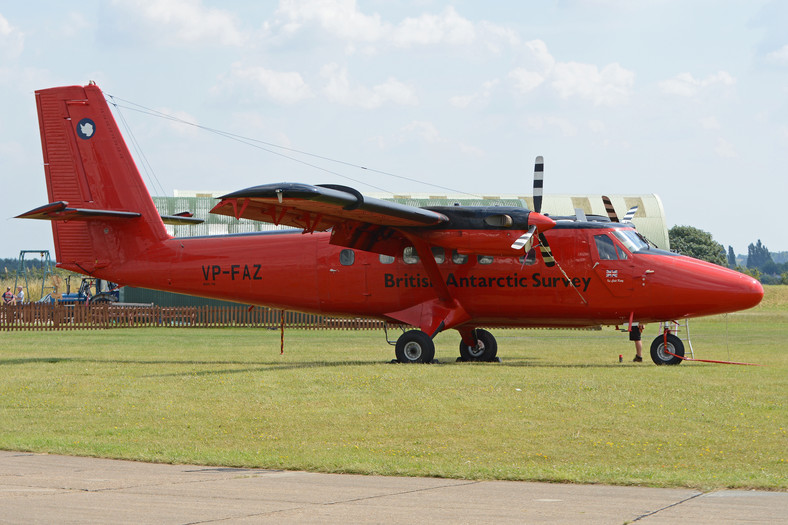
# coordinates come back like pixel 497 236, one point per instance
pixel 36 316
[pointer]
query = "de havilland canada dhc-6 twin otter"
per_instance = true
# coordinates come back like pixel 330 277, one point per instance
pixel 434 269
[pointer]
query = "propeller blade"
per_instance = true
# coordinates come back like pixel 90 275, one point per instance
pixel 547 255
pixel 522 241
pixel 611 211
pixel 630 214
pixel 538 183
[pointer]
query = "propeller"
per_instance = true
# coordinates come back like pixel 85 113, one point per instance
pixel 524 238
pixel 630 213
pixel 538 183
pixel 611 211
pixel 538 223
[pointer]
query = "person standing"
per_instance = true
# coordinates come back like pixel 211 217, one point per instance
pixel 20 295
pixel 8 296
pixel 635 333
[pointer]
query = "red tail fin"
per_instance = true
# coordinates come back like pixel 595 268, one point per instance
pixel 89 166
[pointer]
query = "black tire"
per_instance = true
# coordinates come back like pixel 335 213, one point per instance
pixel 414 346
pixel 100 299
pixel 659 354
pixel 486 348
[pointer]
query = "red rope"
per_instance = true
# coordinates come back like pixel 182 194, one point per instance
pixel 709 360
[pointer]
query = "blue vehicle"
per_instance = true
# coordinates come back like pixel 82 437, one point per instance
pixel 91 291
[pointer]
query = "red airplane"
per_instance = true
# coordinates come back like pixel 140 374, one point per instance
pixel 433 268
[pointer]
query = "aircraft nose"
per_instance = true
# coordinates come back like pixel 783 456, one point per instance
pixel 749 292
pixel 702 288
pixel 737 291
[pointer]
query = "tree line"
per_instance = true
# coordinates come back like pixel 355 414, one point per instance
pixel 10 266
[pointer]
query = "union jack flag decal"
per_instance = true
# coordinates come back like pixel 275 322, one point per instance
pixel 611 273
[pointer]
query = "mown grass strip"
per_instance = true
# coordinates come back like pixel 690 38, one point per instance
pixel 559 408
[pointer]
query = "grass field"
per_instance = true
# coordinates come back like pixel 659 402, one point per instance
pixel 558 408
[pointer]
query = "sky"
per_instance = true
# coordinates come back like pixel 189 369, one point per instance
pixel 686 99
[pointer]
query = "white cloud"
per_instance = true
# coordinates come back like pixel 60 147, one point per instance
pixel 463 101
pixel 611 86
pixel 526 81
pixel 11 39
pixel 725 149
pixel 685 85
pixel 426 131
pixel 343 20
pixel 709 123
pixel 339 89
pixel 537 62
pixel 538 56
pixel 337 17
pixel 779 55
pixel 448 27
pixel 188 21
pixel 498 33
pixel 287 87
pixel 181 122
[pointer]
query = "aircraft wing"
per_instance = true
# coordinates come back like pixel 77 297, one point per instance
pixel 318 208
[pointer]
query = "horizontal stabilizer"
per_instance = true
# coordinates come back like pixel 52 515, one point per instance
pixel 184 218
pixel 59 211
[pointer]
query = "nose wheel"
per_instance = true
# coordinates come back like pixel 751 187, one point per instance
pixel 667 350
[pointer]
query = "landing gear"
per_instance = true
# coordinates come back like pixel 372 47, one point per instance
pixel 414 346
pixel 486 348
pixel 659 350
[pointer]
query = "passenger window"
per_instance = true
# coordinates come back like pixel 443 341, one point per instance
pixel 484 259
pixel 528 259
pixel 347 257
pixel 458 258
pixel 605 248
pixel 386 259
pixel 410 256
pixel 439 254
pixel 621 253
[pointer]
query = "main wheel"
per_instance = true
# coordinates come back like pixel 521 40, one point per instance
pixel 485 350
pixel 659 350
pixel 414 346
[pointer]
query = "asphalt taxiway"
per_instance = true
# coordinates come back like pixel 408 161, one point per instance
pixel 40 488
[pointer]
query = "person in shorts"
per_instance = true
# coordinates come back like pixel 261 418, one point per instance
pixel 634 335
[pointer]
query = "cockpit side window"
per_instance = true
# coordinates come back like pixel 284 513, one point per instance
pixel 605 248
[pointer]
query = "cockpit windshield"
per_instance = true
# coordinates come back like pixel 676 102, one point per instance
pixel 631 240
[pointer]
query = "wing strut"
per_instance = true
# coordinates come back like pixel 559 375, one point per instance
pixel 437 314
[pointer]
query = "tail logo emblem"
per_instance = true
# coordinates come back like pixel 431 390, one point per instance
pixel 86 128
